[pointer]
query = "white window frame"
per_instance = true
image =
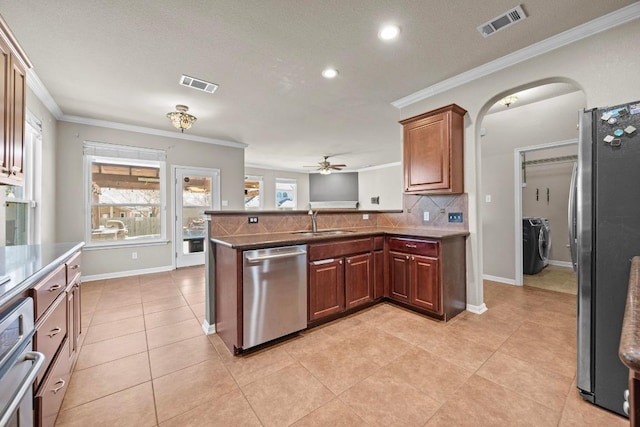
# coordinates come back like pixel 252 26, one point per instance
pixel 260 179
pixel 31 190
pixel 295 192
pixel 126 155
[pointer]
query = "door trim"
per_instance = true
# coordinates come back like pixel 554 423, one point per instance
pixel 517 171
pixel 215 201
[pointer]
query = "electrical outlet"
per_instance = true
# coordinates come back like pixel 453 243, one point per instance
pixel 375 200
pixel 253 220
pixel 425 216
pixel 455 216
pixel 487 198
pixel 365 216
pixel 134 255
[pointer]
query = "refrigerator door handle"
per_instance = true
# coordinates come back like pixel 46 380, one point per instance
pixel 572 219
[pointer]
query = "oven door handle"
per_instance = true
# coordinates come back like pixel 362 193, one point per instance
pixel 38 361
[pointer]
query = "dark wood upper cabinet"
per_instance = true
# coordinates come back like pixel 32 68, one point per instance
pixel 13 83
pixel 433 158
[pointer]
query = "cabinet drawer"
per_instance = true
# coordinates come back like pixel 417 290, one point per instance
pixel 51 331
pixel 414 246
pixel 337 249
pixel 45 292
pixel 74 267
pixel 49 397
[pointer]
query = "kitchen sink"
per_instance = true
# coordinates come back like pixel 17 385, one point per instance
pixel 321 232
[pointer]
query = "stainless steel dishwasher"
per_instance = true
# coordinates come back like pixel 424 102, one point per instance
pixel 274 291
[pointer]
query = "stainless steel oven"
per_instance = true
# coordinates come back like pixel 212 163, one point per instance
pixel 19 365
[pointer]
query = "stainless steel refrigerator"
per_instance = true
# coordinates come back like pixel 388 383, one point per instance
pixel 604 234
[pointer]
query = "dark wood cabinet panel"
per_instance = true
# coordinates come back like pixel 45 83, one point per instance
pixel 326 288
pixel 428 275
pixel 13 94
pixel 378 274
pixel 425 284
pixel 358 280
pixel 320 251
pixel 399 276
pixel 433 151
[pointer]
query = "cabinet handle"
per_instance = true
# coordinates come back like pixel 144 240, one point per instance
pixel 74 267
pixel 413 258
pixel 407 256
pixel 57 389
pixel 340 262
pixel 54 288
pixel 348 261
pixel 55 331
pixel 411 246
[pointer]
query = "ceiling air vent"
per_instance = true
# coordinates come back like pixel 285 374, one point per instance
pixel 503 21
pixel 198 84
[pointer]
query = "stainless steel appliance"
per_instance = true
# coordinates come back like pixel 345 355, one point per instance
pixel 536 244
pixel 274 291
pixel 19 366
pixel 604 234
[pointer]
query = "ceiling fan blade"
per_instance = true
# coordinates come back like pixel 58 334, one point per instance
pixel 338 166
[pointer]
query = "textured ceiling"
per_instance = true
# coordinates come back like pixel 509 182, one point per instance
pixel 121 61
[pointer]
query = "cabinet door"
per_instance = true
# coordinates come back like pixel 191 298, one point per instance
pixel 425 292
pixel 5 64
pixel 18 87
pixel 399 276
pixel 426 153
pixel 73 319
pixel 358 280
pixel 326 288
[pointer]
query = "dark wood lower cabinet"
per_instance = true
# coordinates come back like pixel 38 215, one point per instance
pixel 326 288
pixel 428 274
pixel 358 280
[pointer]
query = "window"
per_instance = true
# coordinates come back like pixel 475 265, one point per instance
pixel 286 193
pixel 20 203
pixel 125 193
pixel 253 192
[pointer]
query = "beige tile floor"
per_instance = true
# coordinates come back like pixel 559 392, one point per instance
pixel 146 362
pixel 553 278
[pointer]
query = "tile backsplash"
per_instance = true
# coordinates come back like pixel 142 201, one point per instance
pixel 414 206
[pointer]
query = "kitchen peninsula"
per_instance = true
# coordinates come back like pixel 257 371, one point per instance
pixel 354 260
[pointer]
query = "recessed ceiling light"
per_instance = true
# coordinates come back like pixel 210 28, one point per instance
pixel 388 32
pixel 329 73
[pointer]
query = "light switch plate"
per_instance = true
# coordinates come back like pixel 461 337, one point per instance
pixel 425 216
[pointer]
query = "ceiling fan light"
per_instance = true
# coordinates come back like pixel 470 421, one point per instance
pixel 180 119
pixel 325 171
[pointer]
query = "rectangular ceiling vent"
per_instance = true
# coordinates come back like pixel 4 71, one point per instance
pixel 503 21
pixel 198 84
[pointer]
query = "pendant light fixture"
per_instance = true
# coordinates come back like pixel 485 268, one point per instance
pixel 180 119
pixel 508 100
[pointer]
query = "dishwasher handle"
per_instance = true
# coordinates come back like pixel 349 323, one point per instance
pixel 259 258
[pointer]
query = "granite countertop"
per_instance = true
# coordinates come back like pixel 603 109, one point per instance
pixel 25 265
pixel 629 350
pixel 257 241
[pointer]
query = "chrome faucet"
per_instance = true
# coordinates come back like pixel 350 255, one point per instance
pixel 314 223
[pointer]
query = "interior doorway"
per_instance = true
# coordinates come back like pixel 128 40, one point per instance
pixel 196 191
pixel 541 194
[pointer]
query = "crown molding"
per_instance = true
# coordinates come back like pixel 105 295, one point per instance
pixel 41 92
pixel 39 89
pixel 384 166
pixel 149 131
pixel 603 23
pixel 266 167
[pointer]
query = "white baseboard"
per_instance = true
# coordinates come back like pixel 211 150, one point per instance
pixel 498 279
pixel 118 274
pixel 561 263
pixel 208 329
pixel 477 309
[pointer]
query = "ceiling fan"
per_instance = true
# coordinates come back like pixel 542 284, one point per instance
pixel 325 167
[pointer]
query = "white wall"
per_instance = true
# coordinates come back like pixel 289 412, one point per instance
pixel 385 182
pixel 269 185
pixel 543 122
pixel 581 62
pixel 70 200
